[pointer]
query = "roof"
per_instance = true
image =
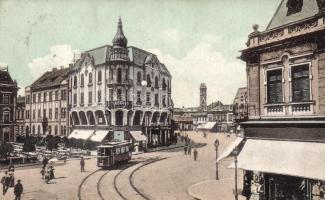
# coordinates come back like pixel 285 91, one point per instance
pixel 99 54
pixel 51 79
pixel 309 9
pixel 5 77
pixel 182 118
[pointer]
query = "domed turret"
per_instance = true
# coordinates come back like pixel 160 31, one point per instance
pixel 120 39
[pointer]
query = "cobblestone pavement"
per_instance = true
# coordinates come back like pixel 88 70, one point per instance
pixel 169 178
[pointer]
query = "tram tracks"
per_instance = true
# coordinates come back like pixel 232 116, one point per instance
pixel 124 195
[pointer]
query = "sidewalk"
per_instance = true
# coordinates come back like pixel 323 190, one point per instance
pixel 214 190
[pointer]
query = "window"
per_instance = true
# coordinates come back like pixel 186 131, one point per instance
pixel 64 95
pixel 110 94
pixel 34 98
pixel 39 114
pixel 148 80
pixel 99 79
pixel 122 149
pixel 27 99
pixel 156 82
pixel 56 95
pixel 50 96
pixel 139 97
pixel 56 114
pixel 33 129
pixel 119 75
pixel 82 100
pixel 118 150
pixel 49 128
pixel 6 117
pixel 50 113
pixel 274 86
pixel 27 114
pixel 148 97
pixel 90 98
pixel 300 83
pixel 75 81
pixel 138 78
pixel 164 101
pixel 99 96
pixel 38 129
pixel 164 84
pixel 74 99
pixel 119 94
pixel 63 113
pixel 56 129
pixel 90 79
pixel 39 97
pixel 294 6
pixel 45 96
pixel 61 130
pixel 34 114
pixel 82 80
pixel 44 113
pixel 156 100
pixel 6 98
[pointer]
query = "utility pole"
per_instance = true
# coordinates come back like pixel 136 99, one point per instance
pixel 216 145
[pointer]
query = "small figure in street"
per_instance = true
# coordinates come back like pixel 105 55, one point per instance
pixel 195 154
pixel 189 149
pixel 45 161
pixel 18 190
pixel 43 172
pixel 11 168
pixel 65 159
pixel 5 181
pixel 185 150
pixel 82 164
pixel 182 138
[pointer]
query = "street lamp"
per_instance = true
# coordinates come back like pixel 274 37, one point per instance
pixel 235 151
pixel 216 145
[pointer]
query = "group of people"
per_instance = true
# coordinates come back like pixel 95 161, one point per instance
pixel 8 181
pixel 188 146
pixel 47 170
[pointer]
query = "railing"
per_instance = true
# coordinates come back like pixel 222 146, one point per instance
pixel 301 108
pixel 119 104
pixel 127 82
pixel 289 109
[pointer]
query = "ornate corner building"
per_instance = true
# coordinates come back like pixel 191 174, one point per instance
pixel 284 140
pixel 120 92
pixel 8 99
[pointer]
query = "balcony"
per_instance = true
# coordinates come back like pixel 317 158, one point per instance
pixel 274 109
pixel 301 108
pixel 119 104
pixel 112 84
pixel 289 109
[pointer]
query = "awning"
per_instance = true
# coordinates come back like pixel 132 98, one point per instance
pixel 138 136
pixel 99 135
pixel 300 159
pixel 81 134
pixel 230 148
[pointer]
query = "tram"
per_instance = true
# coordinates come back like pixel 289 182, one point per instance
pixel 112 153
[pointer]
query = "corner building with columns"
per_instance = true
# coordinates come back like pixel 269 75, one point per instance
pixel 120 92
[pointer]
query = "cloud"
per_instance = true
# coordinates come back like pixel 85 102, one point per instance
pixel 59 55
pixel 172 36
pixel 203 63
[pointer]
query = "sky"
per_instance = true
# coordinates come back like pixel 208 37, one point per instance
pixel 198 40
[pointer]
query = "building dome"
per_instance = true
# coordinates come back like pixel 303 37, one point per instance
pixel 120 39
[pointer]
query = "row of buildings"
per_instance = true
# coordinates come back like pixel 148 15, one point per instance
pixel 215 117
pixel 111 92
pixel 283 140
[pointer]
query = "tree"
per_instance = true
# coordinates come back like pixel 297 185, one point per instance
pixel 6 149
pixel 29 145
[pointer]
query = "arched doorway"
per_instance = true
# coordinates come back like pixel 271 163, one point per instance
pixel 137 117
pixel 83 118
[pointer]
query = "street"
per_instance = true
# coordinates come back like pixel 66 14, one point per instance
pixel 156 175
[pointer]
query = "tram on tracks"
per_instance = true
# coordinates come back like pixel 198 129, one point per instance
pixel 112 153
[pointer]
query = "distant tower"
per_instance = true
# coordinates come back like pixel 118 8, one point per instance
pixel 203 96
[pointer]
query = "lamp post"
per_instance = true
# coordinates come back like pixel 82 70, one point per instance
pixel 144 85
pixel 216 145
pixel 236 161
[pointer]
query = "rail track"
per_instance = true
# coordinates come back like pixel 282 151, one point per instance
pixel 99 195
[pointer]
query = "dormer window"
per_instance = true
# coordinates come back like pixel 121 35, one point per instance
pixel 294 6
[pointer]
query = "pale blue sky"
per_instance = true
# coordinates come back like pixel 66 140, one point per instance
pixel 197 40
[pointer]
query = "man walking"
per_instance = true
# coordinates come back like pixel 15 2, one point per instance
pixel 185 150
pixel 18 190
pixel 189 148
pixel 82 164
pixel 5 180
pixel 195 154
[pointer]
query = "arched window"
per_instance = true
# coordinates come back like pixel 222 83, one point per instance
pixel 90 78
pixel 82 81
pixel 164 84
pixel 156 82
pixel 49 129
pixel 139 78
pixel 99 75
pixel 38 129
pixel 33 129
pixel 119 75
pixel 56 129
pixel 148 80
pixel 75 83
pixel 119 94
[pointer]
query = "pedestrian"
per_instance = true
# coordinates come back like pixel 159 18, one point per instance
pixel 45 161
pixel 65 159
pixel 185 150
pixel 82 164
pixel 189 149
pixel 5 181
pixel 195 154
pixel 182 138
pixel 18 190
pixel 43 172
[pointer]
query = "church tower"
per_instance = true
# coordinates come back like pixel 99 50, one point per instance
pixel 203 97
